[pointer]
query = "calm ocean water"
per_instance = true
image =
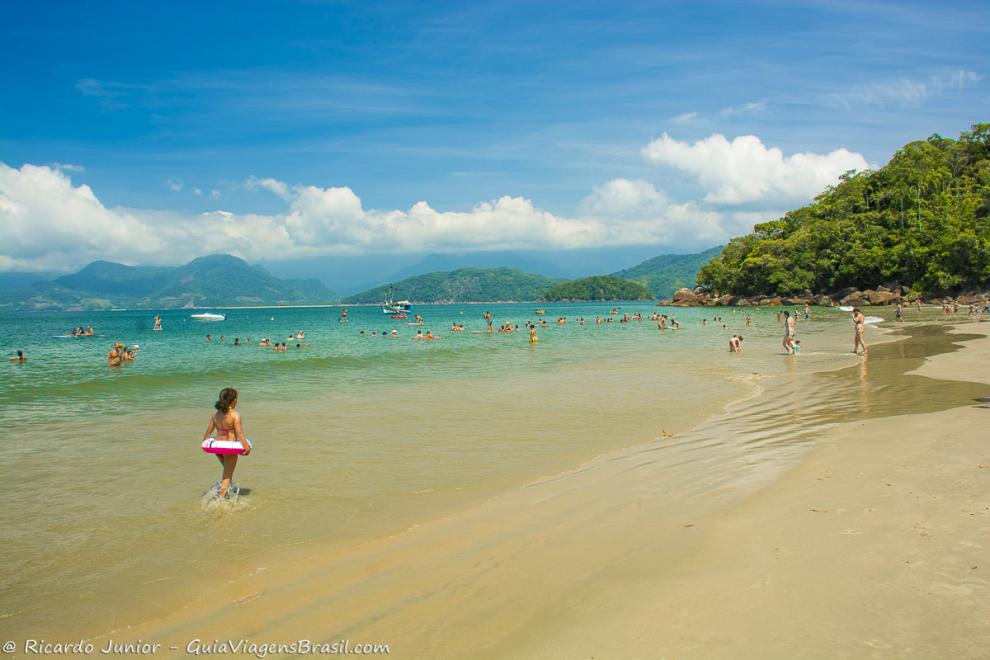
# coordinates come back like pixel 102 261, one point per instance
pixel 356 436
pixel 178 367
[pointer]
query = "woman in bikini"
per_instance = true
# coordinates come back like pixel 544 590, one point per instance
pixel 860 321
pixel 226 423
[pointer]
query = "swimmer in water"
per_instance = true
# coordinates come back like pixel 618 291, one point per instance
pixel 225 424
pixel 532 335
pixel 114 357
pixel 19 357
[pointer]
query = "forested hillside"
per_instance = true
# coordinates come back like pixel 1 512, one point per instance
pixel 920 222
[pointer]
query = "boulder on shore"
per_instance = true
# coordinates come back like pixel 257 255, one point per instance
pixel 685 298
pixel 880 297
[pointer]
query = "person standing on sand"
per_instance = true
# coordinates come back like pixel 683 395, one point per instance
pixel 226 424
pixel 859 320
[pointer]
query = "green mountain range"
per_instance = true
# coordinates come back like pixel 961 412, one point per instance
pixel 669 272
pixel 463 285
pixel 656 278
pixel 217 280
pixel 921 222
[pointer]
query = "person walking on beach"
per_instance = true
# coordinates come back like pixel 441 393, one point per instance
pixel 859 320
pixel 225 423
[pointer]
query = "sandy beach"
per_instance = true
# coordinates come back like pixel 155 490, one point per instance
pixel 862 534
pixel 874 546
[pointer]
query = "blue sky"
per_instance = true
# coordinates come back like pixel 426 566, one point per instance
pixel 172 108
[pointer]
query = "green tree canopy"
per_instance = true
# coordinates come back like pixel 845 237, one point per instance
pixel 922 221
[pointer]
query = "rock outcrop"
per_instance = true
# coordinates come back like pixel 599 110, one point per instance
pixel 882 295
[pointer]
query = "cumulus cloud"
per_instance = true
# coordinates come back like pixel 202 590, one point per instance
pixel 744 170
pixel 46 222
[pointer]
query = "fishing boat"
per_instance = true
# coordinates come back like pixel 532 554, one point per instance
pixel 208 316
pixel 397 307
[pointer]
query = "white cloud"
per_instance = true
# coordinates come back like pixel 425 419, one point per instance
pixel 272 185
pixel 685 118
pixel 637 208
pixel 963 79
pixel 69 167
pixel 46 222
pixel 904 91
pixel 745 170
pixel 753 108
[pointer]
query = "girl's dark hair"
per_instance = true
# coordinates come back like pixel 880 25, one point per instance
pixel 227 397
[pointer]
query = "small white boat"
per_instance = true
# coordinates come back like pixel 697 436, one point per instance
pixel 208 316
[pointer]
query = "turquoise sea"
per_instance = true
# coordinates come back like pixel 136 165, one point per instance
pixel 105 522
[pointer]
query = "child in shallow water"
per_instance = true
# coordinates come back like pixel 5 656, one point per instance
pixel 225 423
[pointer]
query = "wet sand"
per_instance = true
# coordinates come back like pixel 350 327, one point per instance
pixel 818 519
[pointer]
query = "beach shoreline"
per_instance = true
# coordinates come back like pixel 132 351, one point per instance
pixel 464 584
pixel 873 545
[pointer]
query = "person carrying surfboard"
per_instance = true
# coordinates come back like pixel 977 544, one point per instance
pixel 226 424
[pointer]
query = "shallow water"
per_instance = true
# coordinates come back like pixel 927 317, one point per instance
pixel 356 437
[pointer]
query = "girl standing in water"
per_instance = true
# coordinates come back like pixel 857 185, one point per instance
pixel 226 423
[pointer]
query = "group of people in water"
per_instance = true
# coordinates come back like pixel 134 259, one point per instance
pixel 119 354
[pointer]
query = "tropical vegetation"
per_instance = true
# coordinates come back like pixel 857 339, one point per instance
pixel 601 287
pixel 462 285
pixel 921 222
pixel 666 273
